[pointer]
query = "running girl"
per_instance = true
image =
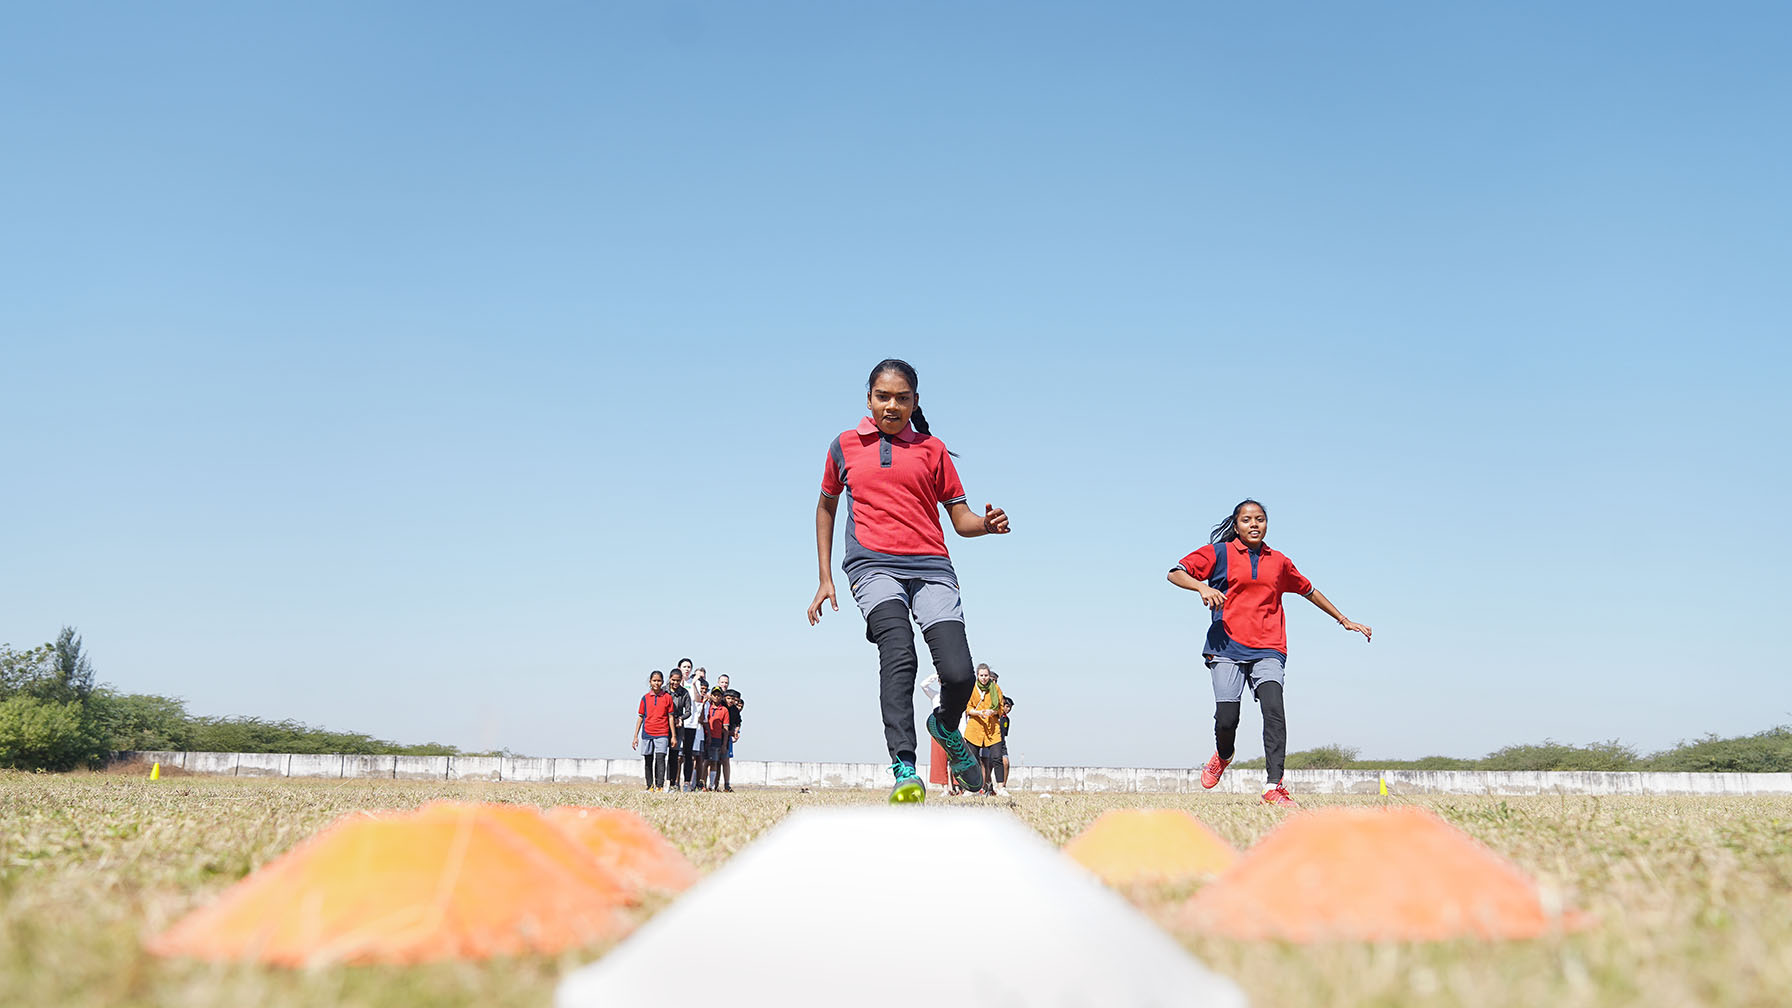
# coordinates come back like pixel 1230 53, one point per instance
pixel 897 475
pixel 1242 580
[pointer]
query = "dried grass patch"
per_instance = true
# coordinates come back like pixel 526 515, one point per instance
pixel 1692 894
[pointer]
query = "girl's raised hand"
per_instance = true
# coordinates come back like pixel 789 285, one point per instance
pixel 823 594
pixel 1368 635
pixel 1212 598
pixel 995 520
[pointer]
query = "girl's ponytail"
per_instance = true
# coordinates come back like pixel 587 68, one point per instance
pixel 919 419
pixel 1227 531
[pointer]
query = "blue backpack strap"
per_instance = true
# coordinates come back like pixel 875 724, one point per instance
pixel 1217 641
pixel 1216 579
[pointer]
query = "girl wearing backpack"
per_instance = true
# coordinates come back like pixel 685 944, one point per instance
pixel 898 476
pixel 1242 580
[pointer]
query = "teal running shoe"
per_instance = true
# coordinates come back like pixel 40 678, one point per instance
pixel 958 754
pixel 908 790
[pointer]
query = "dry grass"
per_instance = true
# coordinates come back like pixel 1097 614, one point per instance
pixel 1694 896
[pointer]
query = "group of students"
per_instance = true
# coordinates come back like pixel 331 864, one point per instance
pixel 896 476
pixel 685 730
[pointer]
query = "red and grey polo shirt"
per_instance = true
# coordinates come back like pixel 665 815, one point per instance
pixel 1251 624
pixel 895 486
pixel 656 713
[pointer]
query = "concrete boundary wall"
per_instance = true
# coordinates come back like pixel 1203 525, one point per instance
pixel 763 773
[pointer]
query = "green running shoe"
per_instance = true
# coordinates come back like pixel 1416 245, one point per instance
pixel 958 754
pixel 908 790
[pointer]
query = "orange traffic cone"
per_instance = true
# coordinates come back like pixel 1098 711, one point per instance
pixel 1399 874
pixel 626 845
pixel 447 882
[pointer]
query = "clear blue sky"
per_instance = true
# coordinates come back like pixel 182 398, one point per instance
pixel 438 370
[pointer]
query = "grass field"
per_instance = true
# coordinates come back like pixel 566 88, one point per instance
pixel 1693 895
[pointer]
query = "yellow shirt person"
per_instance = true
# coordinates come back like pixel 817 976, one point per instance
pixel 983 715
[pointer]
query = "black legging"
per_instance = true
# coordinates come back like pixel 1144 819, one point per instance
pixel 686 768
pixel 654 769
pixel 1275 728
pixel 889 627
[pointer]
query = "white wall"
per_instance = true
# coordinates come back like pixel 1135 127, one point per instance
pixel 761 773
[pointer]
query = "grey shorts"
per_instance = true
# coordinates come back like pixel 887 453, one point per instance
pixel 1231 677
pixel 654 745
pixel 929 602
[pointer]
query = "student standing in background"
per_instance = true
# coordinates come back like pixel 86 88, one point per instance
pixel 982 728
pixel 653 731
pixel 1002 785
pixel 681 712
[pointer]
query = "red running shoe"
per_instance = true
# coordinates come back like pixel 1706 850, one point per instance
pixel 1279 795
pixel 1210 774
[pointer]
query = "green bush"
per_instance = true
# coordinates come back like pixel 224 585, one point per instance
pixel 249 734
pixel 1326 757
pixel 38 734
pixel 1552 755
pixel 1432 763
pixel 1764 752
pixel 137 722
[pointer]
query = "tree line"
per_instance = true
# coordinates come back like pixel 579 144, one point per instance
pixel 53 717
pixel 1767 751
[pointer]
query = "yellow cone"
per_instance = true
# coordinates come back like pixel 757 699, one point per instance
pixel 1150 847
pixel 1384 787
pixel 155 772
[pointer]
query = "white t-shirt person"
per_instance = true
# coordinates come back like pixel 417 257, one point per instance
pixel 692 717
pixel 931 687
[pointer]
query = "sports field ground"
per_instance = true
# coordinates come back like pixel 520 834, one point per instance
pixel 1693 896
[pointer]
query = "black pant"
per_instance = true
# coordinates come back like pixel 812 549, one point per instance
pixel 686 770
pixel 1275 728
pixel 889 627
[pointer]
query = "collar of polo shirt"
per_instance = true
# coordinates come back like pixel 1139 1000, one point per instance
pixel 866 426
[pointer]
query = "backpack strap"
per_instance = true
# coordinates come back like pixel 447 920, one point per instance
pixel 1217 577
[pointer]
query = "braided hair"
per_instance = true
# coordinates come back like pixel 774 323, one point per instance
pixel 1227 531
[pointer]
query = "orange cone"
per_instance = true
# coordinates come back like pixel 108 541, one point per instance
pixel 1150 847
pixel 627 846
pixel 447 882
pixel 1377 875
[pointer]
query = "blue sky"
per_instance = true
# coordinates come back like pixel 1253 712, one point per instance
pixel 436 371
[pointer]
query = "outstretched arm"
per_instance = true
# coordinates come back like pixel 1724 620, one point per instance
pixel 970 524
pixel 1318 598
pixel 824 549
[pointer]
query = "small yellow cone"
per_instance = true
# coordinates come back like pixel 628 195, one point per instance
pixel 155 773
pixel 1384 786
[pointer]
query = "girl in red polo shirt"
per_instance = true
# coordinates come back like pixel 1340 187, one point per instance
pixel 897 475
pixel 1242 580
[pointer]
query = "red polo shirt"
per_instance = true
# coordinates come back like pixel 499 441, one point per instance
pixel 896 485
pixel 1251 621
pixel 656 712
